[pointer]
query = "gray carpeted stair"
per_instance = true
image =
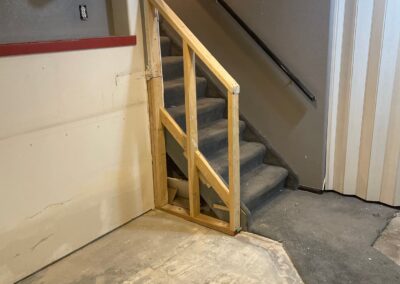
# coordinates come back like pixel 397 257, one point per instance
pixel 258 179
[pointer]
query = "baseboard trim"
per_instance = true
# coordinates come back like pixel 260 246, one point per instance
pixel 310 189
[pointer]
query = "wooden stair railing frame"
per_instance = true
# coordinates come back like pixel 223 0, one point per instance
pixel 198 166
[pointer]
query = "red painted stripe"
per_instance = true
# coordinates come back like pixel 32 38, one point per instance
pixel 65 45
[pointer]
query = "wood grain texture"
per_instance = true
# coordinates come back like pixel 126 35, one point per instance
pixel 155 87
pixel 234 161
pixel 200 219
pixel 198 166
pixel 189 66
pixel 212 178
pixel 172 126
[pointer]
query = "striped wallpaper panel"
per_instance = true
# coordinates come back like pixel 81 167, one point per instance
pixel 364 147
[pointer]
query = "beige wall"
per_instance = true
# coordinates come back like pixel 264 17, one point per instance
pixel 293 126
pixel 365 110
pixel 75 157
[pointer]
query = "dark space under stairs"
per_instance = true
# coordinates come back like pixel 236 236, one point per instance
pixel 259 180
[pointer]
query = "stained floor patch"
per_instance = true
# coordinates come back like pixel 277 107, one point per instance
pixel 329 237
pixel 160 248
pixel 388 242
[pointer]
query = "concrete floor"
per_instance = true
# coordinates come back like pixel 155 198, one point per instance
pixel 160 248
pixel 329 237
pixel 389 241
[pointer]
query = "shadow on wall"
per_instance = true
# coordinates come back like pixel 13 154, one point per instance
pixel 294 127
pixel 288 103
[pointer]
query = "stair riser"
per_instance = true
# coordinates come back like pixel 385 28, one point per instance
pixel 255 203
pixel 165 47
pixel 245 165
pixel 208 194
pixel 204 117
pixel 175 95
pixel 217 142
pixel 172 70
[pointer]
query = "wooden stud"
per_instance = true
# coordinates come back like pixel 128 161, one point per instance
pixel 191 128
pixel 234 161
pixel 212 178
pixel 208 175
pixel 156 101
pixel 173 127
pixel 201 219
pixel 220 207
pixel 159 116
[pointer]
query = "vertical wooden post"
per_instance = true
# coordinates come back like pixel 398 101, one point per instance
pixel 191 128
pixel 156 101
pixel 234 161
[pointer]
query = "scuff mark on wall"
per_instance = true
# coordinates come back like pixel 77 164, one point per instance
pixel 41 241
pixel 48 207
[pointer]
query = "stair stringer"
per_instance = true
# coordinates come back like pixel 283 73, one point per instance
pixel 176 153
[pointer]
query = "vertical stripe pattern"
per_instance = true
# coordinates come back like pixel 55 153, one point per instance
pixel 367 117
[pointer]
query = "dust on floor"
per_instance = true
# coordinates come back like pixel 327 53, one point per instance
pixel 329 237
pixel 161 248
pixel 388 242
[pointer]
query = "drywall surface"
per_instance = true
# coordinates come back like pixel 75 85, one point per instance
pixel 75 154
pixel 293 126
pixel 296 31
pixel 33 20
pixel 186 253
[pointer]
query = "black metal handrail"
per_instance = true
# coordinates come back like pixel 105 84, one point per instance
pixel 268 51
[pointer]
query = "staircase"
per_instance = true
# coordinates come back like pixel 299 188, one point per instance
pixel 258 179
pixel 201 149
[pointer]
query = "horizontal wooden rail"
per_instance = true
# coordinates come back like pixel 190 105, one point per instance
pixel 201 219
pixel 198 48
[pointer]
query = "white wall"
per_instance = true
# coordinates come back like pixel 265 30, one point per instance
pixel 365 110
pixel 75 158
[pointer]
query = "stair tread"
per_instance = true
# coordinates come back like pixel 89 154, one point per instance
pixel 172 59
pixel 165 43
pixel 258 180
pixel 248 151
pixel 215 136
pixel 220 127
pixel 164 39
pixel 261 180
pixel 202 105
pixel 172 67
pixel 180 81
pixel 174 91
